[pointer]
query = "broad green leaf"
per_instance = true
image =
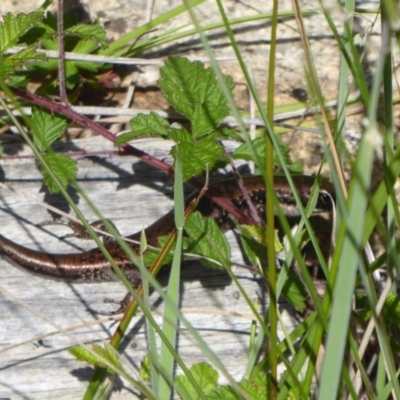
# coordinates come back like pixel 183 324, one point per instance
pixel 13 62
pixel 150 255
pixel 253 242
pixel 36 34
pixel 48 65
pixel 14 27
pixel 142 125
pixel 294 290
pixel 87 47
pixel 204 375
pixel 44 30
pixel 27 55
pixel 196 156
pixel 207 239
pixel 390 310
pixel 72 75
pixel 7 67
pixel 206 118
pixel 181 136
pixel 19 80
pixel 224 393
pixel 228 133
pixel 46 127
pixel 193 91
pixel 256 386
pixel 50 21
pixel 89 66
pixel 89 32
pixel 62 166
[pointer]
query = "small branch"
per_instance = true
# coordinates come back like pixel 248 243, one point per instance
pixel 127 149
pixel 253 211
pixel 60 39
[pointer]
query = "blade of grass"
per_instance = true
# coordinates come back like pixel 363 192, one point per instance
pixel 170 321
pixel 74 207
pixel 119 46
pixel 347 255
pixel 271 273
pixel 343 78
pixel 151 335
pixel 172 35
pixel 274 140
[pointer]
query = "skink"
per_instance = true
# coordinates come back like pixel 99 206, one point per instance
pixel 92 266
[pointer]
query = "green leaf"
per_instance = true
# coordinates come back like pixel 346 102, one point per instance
pixel 253 241
pixel 145 369
pixel 150 255
pixel 7 67
pixel 294 290
pixel 22 58
pixel 14 27
pixel 225 392
pixel 204 375
pixel 45 29
pixel 391 309
pixel 194 92
pixel 89 32
pixel 142 125
pixel 63 167
pixel 196 156
pixel 109 354
pixel 206 118
pixel 228 133
pixel 83 354
pixel 72 75
pixel 207 240
pixel 19 80
pixel 256 386
pixel 87 47
pixel 46 127
pixel 104 357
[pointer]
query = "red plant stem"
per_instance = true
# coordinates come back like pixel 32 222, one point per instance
pixel 60 40
pixel 128 149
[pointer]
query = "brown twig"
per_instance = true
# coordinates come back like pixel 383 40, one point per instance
pixel 60 40
pixel 252 209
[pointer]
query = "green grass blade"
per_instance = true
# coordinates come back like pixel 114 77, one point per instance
pixel 119 46
pixel 170 321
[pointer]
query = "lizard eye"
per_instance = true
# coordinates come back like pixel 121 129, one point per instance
pixel 326 200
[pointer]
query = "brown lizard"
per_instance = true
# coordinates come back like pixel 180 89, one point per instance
pixel 92 266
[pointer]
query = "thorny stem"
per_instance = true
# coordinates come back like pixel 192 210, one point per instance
pixel 127 149
pixel 60 39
